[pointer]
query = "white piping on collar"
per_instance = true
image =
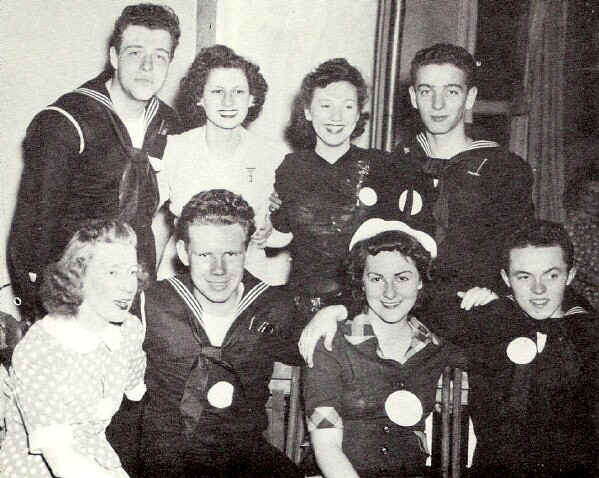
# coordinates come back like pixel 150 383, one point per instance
pixel 196 308
pixel 149 113
pixel 478 144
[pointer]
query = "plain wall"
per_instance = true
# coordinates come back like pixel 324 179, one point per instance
pixel 287 39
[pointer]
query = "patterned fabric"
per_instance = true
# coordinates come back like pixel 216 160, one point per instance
pixel 324 417
pixel 353 382
pixel 584 233
pixel 68 391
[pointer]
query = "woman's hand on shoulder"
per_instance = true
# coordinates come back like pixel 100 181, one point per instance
pixel 476 296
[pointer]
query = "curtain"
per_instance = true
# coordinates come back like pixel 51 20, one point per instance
pixel 386 72
pixel 537 121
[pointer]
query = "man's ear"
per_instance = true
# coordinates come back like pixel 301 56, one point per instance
pixel 114 58
pixel 505 278
pixel 182 252
pixel 571 275
pixel 413 97
pixel 471 97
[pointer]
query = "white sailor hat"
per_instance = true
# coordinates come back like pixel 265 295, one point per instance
pixel 374 226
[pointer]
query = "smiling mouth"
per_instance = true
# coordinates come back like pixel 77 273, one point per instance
pixel 218 285
pixel 390 305
pixel 228 113
pixel 334 129
pixel 539 303
pixel 439 119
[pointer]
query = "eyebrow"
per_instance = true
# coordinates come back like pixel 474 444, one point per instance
pixel 449 85
pixel 555 268
pixel 142 47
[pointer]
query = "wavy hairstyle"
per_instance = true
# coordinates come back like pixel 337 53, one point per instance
pixel 215 207
pixel 192 85
pixel 539 233
pixel 149 15
pixel 62 287
pixel 398 241
pixel 442 53
pixel 299 132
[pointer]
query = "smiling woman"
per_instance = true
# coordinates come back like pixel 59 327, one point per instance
pixel 70 371
pixel 367 397
pixel 220 96
pixel 329 186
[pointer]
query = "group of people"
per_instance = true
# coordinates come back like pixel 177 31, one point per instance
pixel 427 257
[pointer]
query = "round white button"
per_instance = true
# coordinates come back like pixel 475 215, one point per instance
pixel 521 350
pixel 220 395
pixel 368 196
pixel 404 408
pixel 416 202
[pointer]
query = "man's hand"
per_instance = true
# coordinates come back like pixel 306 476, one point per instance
pixel 262 233
pixel 476 296
pixel 323 324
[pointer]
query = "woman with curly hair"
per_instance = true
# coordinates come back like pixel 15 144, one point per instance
pixel 70 371
pixel 368 397
pixel 329 186
pixel 220 96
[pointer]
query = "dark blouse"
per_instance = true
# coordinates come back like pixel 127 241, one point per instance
pixel 323 205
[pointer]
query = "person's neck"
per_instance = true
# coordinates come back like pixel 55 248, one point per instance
pixel 88 320
pixel 331 153
pixel 222 142
pixel 447 145
pixel 393 339
pixel 219 309
pixel 126 107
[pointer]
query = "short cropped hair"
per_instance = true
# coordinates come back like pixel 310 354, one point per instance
pixel 398 241
pixel 442 53
pixel 149 15
pixel 192 85
pixel 539 234
pixel 62 287
pixel 215 207
pixel 300 133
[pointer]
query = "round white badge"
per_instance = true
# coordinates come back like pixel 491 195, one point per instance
pixel 521 350
pixel 368 196
pixel 220 395
pixel 404 408
pixel 416 202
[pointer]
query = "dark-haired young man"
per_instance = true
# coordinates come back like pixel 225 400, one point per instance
pixel 482 190
pixel 90 154
pixel 534 364
pixel 212 336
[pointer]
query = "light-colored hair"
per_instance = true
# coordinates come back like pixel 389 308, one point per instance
pixel 62 286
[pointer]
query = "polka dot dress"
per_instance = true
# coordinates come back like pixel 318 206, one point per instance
pixel 59 394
